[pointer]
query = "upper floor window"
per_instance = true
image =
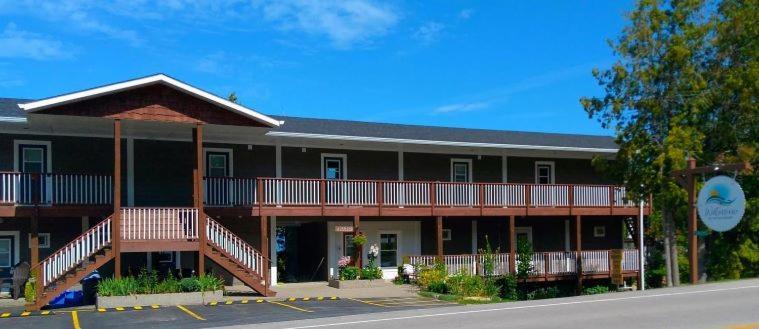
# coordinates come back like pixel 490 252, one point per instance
pixel 461 170
pixel 32 156
pixel 218 162
pixel 544 172
pixel 333 166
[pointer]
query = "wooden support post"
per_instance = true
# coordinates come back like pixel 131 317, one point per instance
pixel 578 250
pixel 265 251
pixel 197 137
pixel 359 252
pixel 512 245
pixel 439 240
pixel 116 219
pixel 34 242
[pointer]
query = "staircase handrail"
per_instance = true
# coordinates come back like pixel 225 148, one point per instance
pixel 106 240
pixel 234 237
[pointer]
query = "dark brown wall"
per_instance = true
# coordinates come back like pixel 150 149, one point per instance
pixel 69 154
pixel 162 173
pixel 361 164
pixel 568 171
pixel 437 167
pixel 260 161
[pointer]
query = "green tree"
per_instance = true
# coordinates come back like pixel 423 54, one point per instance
pixel 685 83
pixel 232 97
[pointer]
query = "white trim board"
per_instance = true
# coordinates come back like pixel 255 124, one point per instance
pixel 469 165
pixel 228 151
pixel 445 143
pixel 553 170
pixel 146 81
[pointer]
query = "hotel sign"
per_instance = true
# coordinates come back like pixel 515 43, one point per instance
pixel 721 203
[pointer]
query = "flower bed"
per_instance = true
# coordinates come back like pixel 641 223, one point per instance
pixel 148 289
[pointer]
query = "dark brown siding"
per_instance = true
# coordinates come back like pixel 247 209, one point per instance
pixel 162 173
pixel 361 164
pixel 260 161
pixel 437 167
pixel 568 171
pixel 69 154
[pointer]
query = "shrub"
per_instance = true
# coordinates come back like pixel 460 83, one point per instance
pixel 524 258
pixel 349 273
pixel 467 285
pixel 594 290
pixel 190 284
pixel 438 287
pixel 210 283
pixel 371 273
pixel 431 276
pixel 359 240
pixel 30 288
pixel 508 286
pixel 118 287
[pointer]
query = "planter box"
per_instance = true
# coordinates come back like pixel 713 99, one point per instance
pixel 183 298
pixel 353 284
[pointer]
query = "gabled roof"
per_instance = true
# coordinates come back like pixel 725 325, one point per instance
pixel 431 135
pixel 146 81
pixel 10 111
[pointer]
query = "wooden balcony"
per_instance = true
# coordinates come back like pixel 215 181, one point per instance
pixel 546 266
pixel 319 197
pixel 55 194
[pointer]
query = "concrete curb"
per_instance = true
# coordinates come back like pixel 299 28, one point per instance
pixel 185 298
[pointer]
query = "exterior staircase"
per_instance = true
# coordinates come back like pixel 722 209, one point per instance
pixel 70 264
pixel 237 257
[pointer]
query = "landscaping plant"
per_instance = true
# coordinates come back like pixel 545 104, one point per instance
pixel 371 271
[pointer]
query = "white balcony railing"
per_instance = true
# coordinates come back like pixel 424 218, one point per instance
pixel 159 223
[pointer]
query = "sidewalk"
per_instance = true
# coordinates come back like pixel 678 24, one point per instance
pixel 321 289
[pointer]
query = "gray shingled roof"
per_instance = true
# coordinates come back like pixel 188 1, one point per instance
pixel 431 133
pixel 9 108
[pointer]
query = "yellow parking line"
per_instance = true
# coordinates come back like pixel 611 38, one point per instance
pixel 26 313
pixel 244 301
pixel 45 312
pixel 119 309
pixel 5 315
pixel 75 320
pixel 137 308
pixel 191 313
pixel 229 302
pixel 290 306
pixel 154 306
pixel 259 300
pixel 101 310
pixel 366 302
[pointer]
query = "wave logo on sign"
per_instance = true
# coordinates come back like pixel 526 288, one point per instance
pixel 719 195
pixel 721 203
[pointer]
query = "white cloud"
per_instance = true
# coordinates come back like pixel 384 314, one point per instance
pixel 466 14
pixel 345 23
pixel 15 43
pixel 429 32
pixel 461 107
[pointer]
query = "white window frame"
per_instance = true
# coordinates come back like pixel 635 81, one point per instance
pixel 342 156
pixel 398 258
pixel 49 155
pixel 553 171
pixel 16 245
pixel 469 165
pixel 39 237
pixel 230 152
pixel 447 234
pixel 599 231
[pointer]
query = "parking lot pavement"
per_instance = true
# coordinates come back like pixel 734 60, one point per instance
pixel 201 316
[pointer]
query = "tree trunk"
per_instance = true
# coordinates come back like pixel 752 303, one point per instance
pixel 667 242
pixel 673 254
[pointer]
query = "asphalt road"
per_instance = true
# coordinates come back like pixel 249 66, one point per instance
pixel 721 305
pixel 718 305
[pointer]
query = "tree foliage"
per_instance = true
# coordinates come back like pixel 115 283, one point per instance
pixel 686 82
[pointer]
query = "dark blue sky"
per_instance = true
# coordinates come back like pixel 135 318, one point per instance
pixel 517 65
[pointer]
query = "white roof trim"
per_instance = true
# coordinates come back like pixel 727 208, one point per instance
pixel 158 78
pixel 12 119
pixel 444 143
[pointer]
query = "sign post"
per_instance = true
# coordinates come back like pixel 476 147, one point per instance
pixel 687 179
pixel 615 267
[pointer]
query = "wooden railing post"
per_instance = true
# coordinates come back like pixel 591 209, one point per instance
pixel 545 266
pixel 380 197
pixel 611 200
pixel 482 197
pixel 527 198
pixel 322 194
pixel 512 245
pixel 571 198
pixel 432 197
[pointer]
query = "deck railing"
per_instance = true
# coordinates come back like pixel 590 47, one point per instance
pixel 55 189
pixel 75 252
pixel 159 223
pixel 552 263
pixel 236 247
pixel 228 191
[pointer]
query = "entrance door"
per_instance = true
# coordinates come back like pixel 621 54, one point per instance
pixel 7 252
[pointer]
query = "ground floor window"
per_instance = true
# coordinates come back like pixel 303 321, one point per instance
pixel 388 250
pixel 43 240
pixel 348 247
pixel 6 252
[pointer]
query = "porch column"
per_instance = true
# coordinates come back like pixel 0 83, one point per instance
pixel 197 138
pixel 34 241
pixel 265 251
pixel 439 231
pixel 116 219
pixel 578 250
pixel 359 250
pixel 273 250
pixel 512 245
